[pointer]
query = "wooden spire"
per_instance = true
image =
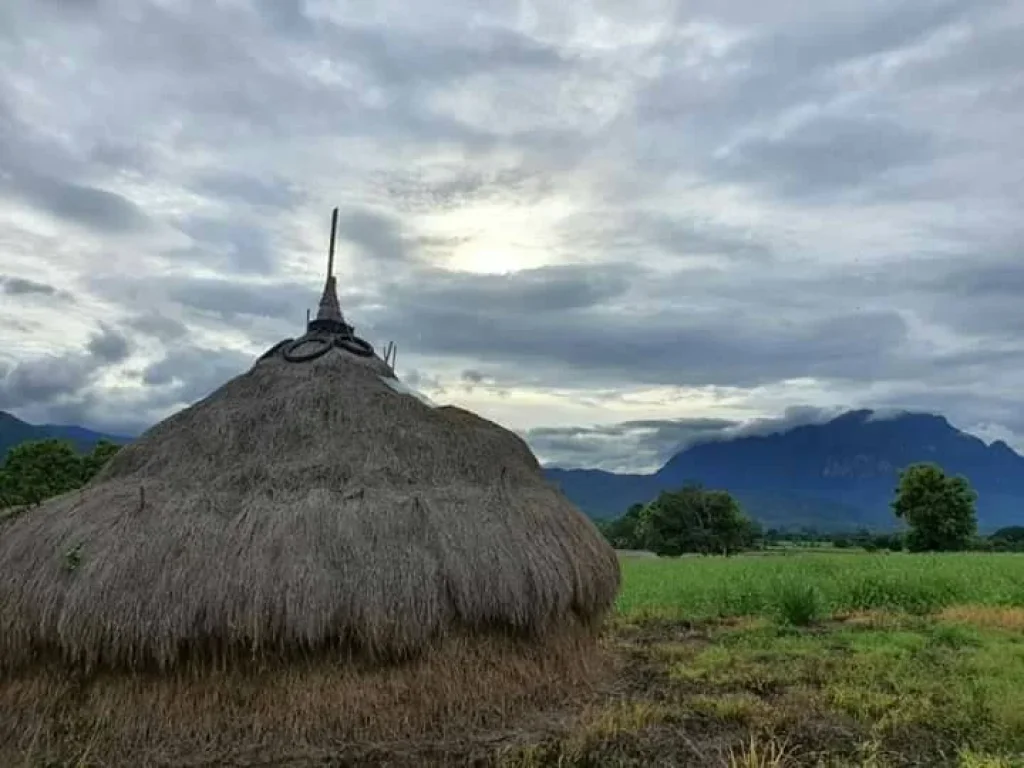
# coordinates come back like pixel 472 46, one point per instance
pixel 330 308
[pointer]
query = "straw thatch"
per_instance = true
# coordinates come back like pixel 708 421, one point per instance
pixel 300 505
pixel 313 511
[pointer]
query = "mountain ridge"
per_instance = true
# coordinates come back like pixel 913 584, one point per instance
pixel 839 474
pixel 14 431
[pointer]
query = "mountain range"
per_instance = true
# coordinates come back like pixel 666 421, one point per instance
pixel 837 475
pixel 14 431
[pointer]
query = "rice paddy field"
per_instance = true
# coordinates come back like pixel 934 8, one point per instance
pixel 809 659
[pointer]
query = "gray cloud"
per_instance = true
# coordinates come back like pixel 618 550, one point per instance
pixel 49 379
pixel 188 373
pixel 19 286
pixel 640 445
pixel 108 346
pixel 251 190
pixel 403 59
pixel 159 326
pixel 763 200
pixel 490 297
pixel 231 300
pixel 564 319
pixel 231 245
pixel 379 236
pixel 97 208
pixel 829 154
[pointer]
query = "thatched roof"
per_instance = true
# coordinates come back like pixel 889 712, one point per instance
pixel 300 505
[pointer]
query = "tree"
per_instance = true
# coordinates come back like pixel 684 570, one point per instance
pixel 939 509
pixel 622 531
pixel 93 462
pixel 1009 539
pixel 36 470
pixel 695 520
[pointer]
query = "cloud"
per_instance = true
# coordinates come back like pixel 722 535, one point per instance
pixel 236 187
pixel 640 445
pixel 581 323
pixel 378 235
pixel 233 246
pixel 108 346
pixel 159 326
pixel 829 154
pixel 49 379
pixel 20 286
pixel 97 208
pixel 620 214
pixel 191 372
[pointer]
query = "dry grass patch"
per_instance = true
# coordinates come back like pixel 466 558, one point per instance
pixel 985 616
pixel 769 752
pixel 302 710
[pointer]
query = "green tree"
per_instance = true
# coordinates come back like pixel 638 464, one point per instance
pixel 36 470
pixel 93 462
pixel 622 531
pixel 1009 539
pixel 695 520
pixel 939 509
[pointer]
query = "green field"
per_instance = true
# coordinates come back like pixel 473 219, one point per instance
pixel 815 659
pixel 831 583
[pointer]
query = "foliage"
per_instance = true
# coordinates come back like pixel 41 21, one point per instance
pixel 1009 539
pixel 868 541
pixel 694 520
pixel 799 604
pixel 846 583
pixel 37 470
pixel 622 531
pixel 95 460
pixel 939 509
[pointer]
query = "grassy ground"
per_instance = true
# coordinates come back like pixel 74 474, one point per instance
pixel 822 583
pixel 777 660
pixel 812 660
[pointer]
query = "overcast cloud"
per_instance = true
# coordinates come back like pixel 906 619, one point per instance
pixel 617 227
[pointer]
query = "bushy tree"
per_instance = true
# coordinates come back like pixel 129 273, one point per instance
pixel 939 509
pixel 36 470
pixel 1009 539
pixel 39 469
pixel 695 520
pixel 94 461
pixel 622 531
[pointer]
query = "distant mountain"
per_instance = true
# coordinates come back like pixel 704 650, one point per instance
pixel 836 475
pixel 14 431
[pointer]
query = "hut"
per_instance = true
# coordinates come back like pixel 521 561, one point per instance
pixel 308 559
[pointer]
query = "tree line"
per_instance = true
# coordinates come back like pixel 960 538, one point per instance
pixel 36 470
pixel 938 512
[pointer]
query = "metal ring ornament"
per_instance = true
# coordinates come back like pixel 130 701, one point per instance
pixel 355 345
pixel 324 343
pixel 274 350
pixel 321 344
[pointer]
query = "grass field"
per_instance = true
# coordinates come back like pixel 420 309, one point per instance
pixel 805 660
pixel 824 583
pixel 777 660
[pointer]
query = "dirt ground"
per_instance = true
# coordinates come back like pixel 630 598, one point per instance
pixel 872 690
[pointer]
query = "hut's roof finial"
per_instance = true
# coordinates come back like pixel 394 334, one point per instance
pixel 330 308
pixel 328 330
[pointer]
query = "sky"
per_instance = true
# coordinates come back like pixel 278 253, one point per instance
pixel 615 227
